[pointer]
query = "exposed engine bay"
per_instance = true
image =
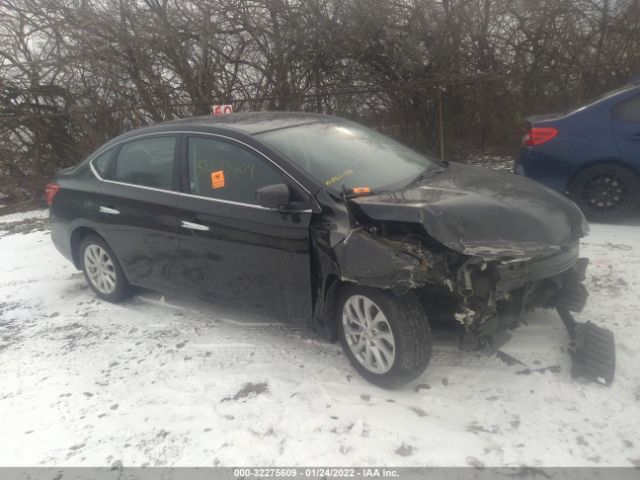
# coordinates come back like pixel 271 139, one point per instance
pixel 468 289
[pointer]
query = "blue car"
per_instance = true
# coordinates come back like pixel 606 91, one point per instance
pixel 592 153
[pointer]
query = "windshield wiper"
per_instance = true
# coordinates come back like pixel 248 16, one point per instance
pixel 427 172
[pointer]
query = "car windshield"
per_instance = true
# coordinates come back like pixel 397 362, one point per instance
pixel 345 153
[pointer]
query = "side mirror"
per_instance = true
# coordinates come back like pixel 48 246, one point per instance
pixel 274 196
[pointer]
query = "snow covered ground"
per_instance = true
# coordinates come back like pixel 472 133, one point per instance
pixel 168 382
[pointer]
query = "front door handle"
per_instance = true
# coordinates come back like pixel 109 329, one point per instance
pixel 634 138
pixel 109 210
pixel 194 226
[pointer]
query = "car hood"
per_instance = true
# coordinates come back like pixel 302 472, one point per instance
pixel 482 212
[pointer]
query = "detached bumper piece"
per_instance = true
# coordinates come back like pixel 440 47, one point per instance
pixel 594 354
pixel 592 349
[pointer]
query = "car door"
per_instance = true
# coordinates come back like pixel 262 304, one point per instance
pixel 136 204
pixel 626 125
pixel 234 251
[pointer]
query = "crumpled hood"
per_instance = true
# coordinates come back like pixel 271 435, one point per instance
pixel 482 212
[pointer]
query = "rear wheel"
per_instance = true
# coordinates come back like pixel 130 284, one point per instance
pixel 606 192
pixel 386 338
pixel 102 270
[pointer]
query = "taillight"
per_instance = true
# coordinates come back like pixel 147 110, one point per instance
pixel 538 136
pixel 50 192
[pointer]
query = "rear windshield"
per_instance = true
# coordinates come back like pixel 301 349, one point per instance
pixel 600 97
pixel 345 153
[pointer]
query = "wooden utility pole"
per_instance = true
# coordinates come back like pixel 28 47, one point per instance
pixel 440 123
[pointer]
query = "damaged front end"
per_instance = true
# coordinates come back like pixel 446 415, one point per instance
pixel 482 295
pixel 496 293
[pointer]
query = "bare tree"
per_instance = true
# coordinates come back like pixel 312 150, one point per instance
pixel 74 73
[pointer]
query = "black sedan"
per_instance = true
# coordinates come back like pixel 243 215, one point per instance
pixel 317 220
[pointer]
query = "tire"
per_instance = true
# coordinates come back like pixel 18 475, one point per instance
pixel 112 285
pixel 606 192
pixel 406 323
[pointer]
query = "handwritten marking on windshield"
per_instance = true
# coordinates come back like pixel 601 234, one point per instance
pixel 337 178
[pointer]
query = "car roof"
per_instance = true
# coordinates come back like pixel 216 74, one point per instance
pixel 245 123
pixel 253 122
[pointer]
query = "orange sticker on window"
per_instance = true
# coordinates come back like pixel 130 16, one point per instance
pixel 359 190
pixel 217 179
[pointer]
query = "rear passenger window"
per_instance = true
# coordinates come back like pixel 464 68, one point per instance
pixel 628 111
pixel 222 170
pixel 147 162
pixel 101 163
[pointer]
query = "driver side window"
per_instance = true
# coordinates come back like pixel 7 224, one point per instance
pixel 222 170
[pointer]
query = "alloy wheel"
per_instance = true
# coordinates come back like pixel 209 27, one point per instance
pixel 605 192
pixel 368 334
pixel 100 269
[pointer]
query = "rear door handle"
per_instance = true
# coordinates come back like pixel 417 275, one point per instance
pixel 109 210
pixel 634 138
pixel 194 226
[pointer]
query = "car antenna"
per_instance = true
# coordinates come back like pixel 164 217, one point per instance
pixel 348 207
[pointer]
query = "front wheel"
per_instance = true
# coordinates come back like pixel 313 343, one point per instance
pixel 606 192
pixel 102 270
pixel 385 337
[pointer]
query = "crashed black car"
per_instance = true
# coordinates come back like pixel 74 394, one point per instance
pixel 320 221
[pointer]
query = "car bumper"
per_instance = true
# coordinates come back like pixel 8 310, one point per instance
pixel 550 171
pixel 514 275
pixel 495 296
pixel 61 237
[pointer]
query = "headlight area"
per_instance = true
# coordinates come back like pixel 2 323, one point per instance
pixel 480 295
pixel 495 294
